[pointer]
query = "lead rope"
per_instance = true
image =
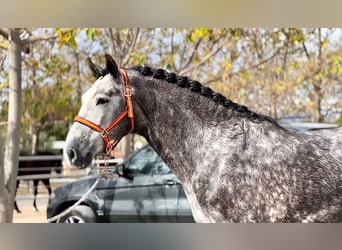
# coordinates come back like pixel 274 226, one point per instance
pixel 104 175
pixel 65 212
pixel 103 171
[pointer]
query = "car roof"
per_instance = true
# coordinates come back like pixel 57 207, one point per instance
pixel 303 126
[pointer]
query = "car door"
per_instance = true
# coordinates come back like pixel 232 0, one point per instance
pixel 146 192
pixel 184 213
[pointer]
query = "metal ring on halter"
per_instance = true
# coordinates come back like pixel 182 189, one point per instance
pixel 129 94
pixel 104 133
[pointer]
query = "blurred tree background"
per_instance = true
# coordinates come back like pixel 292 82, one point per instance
pixel 287 73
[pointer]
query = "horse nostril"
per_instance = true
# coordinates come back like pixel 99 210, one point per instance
pixel 72 155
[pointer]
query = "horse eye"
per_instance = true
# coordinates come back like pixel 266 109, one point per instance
pixel 102 101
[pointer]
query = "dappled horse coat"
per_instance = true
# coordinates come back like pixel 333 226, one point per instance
pixel 235 165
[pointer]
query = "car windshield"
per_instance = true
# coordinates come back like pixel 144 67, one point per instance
pixel 147 161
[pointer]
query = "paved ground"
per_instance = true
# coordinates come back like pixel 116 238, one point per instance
pixel 28 213
pixel 25 201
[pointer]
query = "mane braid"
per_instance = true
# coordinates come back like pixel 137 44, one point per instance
pixel 195 86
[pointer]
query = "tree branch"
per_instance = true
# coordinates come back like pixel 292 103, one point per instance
pixel 39 38
pixel 264 61
pixel 173 49
pixel 306 51
pixel 215 79
pixel 2 60
pixel 4 33
pixel 194 51
pixel 135 34
pixel 206 58
pixel 124 45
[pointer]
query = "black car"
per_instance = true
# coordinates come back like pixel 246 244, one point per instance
pixel 146 191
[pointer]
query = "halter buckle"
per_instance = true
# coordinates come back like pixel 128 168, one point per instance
pixel 104 133
pixel 110 146
pixel 128 91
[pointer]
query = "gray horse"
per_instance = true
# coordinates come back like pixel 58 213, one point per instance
pixel 234 165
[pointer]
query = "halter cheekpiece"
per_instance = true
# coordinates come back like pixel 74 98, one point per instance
pixel 104 132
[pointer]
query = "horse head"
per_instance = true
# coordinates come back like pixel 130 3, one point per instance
pixel 105 115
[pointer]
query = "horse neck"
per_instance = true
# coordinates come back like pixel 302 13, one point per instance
pixel 174 119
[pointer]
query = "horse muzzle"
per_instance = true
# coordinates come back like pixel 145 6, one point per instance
pixel 76 159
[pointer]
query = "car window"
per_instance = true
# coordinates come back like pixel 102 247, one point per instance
pixel 161 168
pixel 143 162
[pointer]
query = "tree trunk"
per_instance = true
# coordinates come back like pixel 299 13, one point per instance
pixel 127 145
pixel 13 132
pixel 4 195
pixel 35 140
pixel 273 108
pixel 317 114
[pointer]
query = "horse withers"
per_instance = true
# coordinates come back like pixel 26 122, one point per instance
pixel 235 165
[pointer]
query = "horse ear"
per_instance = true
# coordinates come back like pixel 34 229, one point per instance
pixel 111 66
pixel 97 70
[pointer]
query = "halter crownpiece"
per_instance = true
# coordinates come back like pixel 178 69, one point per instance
pixel 104 132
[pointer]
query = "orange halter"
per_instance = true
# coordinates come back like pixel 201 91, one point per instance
pixel 104 132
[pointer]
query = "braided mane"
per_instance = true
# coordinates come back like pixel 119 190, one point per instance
pixel 195 86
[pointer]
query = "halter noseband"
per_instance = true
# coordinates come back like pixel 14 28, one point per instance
pixel 104 132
